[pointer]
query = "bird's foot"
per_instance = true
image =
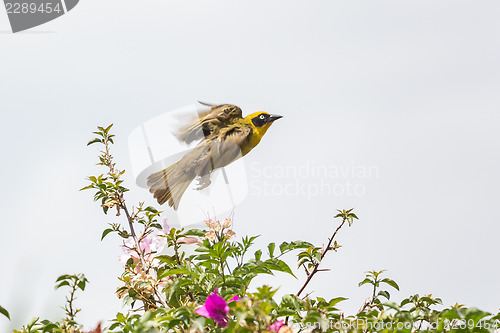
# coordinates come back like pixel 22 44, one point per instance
pixel 203 182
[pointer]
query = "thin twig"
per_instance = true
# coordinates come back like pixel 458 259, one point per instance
pixel 316 266
pixel 138 249
pixel 70 313
pixel 132 231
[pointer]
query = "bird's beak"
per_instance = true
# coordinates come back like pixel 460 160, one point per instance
pixel 274 117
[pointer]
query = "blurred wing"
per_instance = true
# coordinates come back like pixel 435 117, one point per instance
pixel 209 122
pixel 227 147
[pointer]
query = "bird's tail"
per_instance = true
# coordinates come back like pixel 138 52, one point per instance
pixel 169 185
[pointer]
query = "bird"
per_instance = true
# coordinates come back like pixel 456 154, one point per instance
pixel 224 135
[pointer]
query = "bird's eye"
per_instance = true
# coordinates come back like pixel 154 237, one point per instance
pixel 262 117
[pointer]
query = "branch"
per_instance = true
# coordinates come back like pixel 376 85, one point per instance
pixel 71 314
pixel 137 245
pixel 324 252
pixel 132 231
pixel 114 174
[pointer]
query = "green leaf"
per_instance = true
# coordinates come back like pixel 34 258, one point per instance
pixel 279 265
pixel 195 232
pixel 64 283
pixel 496 317
pixel 384 293
pixel 428 300
pixel 365 281
pixel 113 326
pixel 166 259
pixel 300 245
pixel 291 301
pixel 475 314
pixel 96 140
pixel 105 232
pixel 175 289
pixel 336 300
pixel 284 246
pixel 350 220
pixel 258 254
pixel 120 317
pixel 317 255
pixel 287 312
pixel 64 277
pixel 174 271
pixel 32 322
pixel 390 282
pixel 49 327
pixel 231 326
pixel 4 312
pixel 392 305
pixel 108 128
pixel 86 188
pixel 271 247
pixel 81 285
pixel 405 301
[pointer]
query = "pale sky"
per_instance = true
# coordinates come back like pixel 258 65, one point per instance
pixel 389 107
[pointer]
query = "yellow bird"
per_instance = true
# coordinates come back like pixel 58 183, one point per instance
pixel 225 136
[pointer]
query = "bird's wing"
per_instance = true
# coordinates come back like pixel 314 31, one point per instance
pixel 212 153
pixel 209 122
pixel 227 146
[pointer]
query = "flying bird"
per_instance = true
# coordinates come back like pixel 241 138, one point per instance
pixel 224 135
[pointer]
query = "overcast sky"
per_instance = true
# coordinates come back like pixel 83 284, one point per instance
pixel 389 107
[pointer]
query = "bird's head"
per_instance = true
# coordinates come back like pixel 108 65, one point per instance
pixel 262 121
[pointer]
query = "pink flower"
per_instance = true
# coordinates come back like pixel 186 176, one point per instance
pixel 146 243
pixel 276 326
pixel 216 308
pixel 153 242
pixel 164 224
pixel 188 240
pixel 128 244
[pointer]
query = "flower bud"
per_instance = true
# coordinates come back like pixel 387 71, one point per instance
pixel 187 240
pixel 209 223
pixel 227 223
pixel 217 226
pixel 210 235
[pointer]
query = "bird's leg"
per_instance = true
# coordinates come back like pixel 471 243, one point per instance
pixel 203 181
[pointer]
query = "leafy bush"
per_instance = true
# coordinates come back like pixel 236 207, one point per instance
pixel 208 291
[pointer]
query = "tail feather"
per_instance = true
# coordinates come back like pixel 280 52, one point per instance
pixel 169 185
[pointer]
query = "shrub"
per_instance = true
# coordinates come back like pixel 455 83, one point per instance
pixel 208 291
